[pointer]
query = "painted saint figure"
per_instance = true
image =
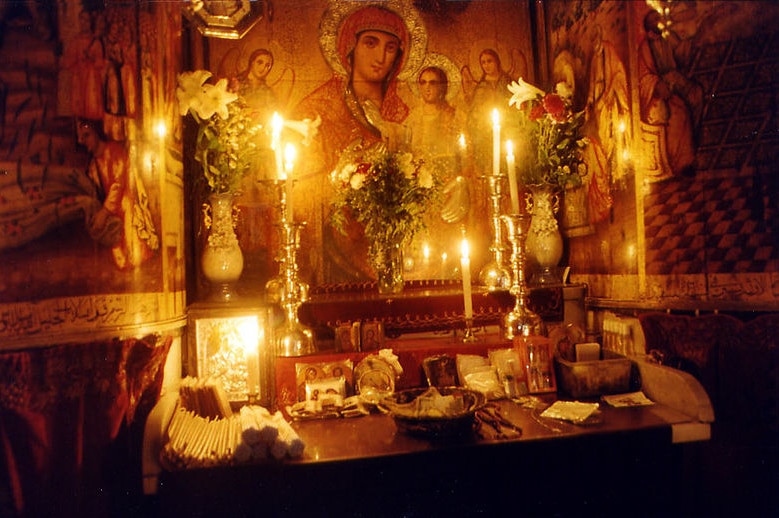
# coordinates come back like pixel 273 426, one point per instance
pixel 362 105
pixel 484 94
pixel 125 219
pixel 669 100
pixel 435 128
pixel 252 84
pixel 434 124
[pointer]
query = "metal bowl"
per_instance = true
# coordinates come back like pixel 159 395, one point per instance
pixel 454 419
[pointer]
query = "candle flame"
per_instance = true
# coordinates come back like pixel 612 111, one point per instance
pixel 289 158
pixel 464 248
pixel 160 129
pixel 495 117
pixel 276 124
pixel 248 329
pixel 509 148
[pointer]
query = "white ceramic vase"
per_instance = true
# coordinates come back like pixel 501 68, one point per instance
pixel 544 240
pixel 222 259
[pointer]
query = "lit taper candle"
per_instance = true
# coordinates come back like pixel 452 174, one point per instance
pixel 495 142
pixel 276 124
pixel 289 164
pixel 465 266
pixel 512 171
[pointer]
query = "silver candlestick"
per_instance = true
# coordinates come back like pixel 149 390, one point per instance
pixel 494 275
pixel 520 321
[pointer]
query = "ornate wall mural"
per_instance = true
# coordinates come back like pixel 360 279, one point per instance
pixel 87 154
pixel 437 103
pixel 691 213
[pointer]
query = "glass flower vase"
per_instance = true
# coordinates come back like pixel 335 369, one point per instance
pixel 387 262
pixel 222 259
pixel 544 240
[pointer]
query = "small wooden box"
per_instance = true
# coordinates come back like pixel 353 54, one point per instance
pixel 609 375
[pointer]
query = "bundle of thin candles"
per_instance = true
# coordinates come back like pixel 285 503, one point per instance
pixel 251 435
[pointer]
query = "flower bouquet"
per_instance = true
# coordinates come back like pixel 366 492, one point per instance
pixel 224 147
pixel 227 135
pixel 553 132
pixel 388 193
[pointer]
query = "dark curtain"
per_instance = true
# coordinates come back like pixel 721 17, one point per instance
pixel 61 408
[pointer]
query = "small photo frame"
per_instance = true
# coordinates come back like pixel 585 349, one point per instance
pixel 536 353
pixel 371 336
pixel 346 339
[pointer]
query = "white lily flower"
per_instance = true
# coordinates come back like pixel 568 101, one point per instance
pixel 523 91
pixel 406 165
pixel 190 89
pixel 357 181
pixel 307 128
pixel 564 90
pixel 425 178
pixel 215 100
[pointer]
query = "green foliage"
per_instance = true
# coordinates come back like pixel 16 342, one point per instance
pixel 552 130
pixel 388 193
pixel 226 148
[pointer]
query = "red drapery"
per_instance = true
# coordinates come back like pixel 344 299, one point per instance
pixel 60 408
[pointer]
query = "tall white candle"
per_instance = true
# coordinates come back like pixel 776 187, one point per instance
pixel 465 266
pixel 495 142
pixel 276 124
pixel 512 171
pixel 248 330
pixel 253 369
pixel 460 152
pixel 289 164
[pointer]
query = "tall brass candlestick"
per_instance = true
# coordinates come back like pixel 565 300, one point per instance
pixel 494 275
pixel 520 321
pixel 274 285
pixel 293 338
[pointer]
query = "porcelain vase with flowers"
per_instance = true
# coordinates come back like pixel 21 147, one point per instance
pixel 388 193
pixel 223 147
pixel 555 144
pixel 544 240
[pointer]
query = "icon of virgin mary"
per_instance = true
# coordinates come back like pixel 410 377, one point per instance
pixel 369 48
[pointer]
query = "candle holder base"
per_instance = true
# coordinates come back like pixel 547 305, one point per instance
pixel 495 276
pixel 468 335
pixel 522 323
pixel 294 340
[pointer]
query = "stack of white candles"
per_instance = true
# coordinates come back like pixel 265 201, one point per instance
pixel 251 435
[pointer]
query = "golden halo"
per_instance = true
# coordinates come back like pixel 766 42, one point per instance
pixel 443 62
pixel 338 11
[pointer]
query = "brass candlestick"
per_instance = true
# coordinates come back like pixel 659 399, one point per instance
pixel 293 338
pixel 287 289
pixel 468 335
pixel 520 321
pixel 275 285
pixel 494 274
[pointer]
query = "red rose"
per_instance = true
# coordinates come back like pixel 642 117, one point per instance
pixel 536 112
pixel 555 107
